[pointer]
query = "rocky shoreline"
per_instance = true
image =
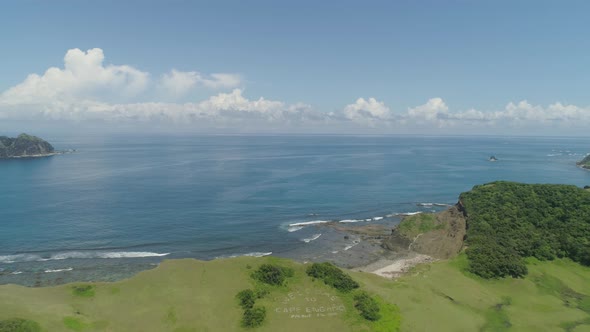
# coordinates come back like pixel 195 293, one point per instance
pixel 418 239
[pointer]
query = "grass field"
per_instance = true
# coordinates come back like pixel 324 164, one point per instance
pixel 190 295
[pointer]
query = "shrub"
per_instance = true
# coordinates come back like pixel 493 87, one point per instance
pixel 332 276
pixel 19 325
pixel 83 290
pixel 272 274
pixel 367 306
pixel 254 317
pixel 246 298
pixel 261 292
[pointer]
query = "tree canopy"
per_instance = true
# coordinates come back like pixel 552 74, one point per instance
pixel 509 221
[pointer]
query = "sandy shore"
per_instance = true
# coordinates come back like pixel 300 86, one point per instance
pixel 394 268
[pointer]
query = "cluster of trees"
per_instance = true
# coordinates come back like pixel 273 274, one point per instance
pixel 253 315
pixel 332 276
pixel 272 274
pixel 509 221
pixel 367 306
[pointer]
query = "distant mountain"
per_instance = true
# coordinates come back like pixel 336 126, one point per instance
pixel 24 146
pixel 585 163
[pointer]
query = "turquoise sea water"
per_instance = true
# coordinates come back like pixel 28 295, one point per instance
pixel 121 204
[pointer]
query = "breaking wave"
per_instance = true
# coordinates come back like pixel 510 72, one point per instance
pixel 59 270
pixel 307 223
pixel 408 213
pixel 313 238
pixel 432 204
pixel 294 229
pixel 249 254
pixel 78 255
pixel 349 220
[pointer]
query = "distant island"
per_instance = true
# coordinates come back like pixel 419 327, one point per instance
pixel 584 163
pixel 25 146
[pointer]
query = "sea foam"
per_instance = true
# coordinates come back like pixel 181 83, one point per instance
pixel 249 254
pixel 59 270
pixel 307 223
pixel 313 238
pixel 78 255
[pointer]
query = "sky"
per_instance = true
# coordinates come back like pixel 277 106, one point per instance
pixel 354 67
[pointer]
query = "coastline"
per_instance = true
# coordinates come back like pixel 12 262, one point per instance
pixel 38 155
pixel 357 246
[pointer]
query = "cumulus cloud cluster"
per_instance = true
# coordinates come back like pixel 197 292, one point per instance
pixel 87 89
pixel 178 83
pixel 83 76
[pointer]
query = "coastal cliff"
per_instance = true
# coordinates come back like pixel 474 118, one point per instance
pixel 503 223
pixel 584 163
pixel 438 235
pixel 24 146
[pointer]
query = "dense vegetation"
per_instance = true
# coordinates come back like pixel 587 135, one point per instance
pixel 19 325
pixel 367 306
pixel 332 276
pixel 253 317
pixel 23 145
pixel 247 298
pixel 266 274
pixel 272 274
pixel 508 222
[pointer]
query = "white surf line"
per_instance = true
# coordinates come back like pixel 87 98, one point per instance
pixel 314 237
pixel 59 270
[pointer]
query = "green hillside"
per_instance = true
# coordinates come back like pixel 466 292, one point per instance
pixel 523 270
pixel 190 295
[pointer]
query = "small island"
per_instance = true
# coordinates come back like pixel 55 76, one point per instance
pixel 25 146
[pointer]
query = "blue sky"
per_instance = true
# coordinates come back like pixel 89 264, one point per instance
pixel 318 57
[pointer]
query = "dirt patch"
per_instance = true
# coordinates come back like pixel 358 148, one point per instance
pixel 394 268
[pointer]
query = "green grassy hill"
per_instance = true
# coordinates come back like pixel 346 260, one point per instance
pixel 190 295
pixel 525 269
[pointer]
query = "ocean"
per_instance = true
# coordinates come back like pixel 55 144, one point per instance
pixel 119 205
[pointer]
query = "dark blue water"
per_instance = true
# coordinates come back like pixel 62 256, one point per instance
pixel 120 204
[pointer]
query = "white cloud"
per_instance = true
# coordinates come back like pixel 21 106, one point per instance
pixel 177 83
pixel 221 109
pixel 221 80
pixel 433 110
pixel 366 111
pixel 86 89
pixel 83 76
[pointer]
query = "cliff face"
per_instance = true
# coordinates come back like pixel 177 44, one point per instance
pixel 584 163
pixel 24 146
pixel 437 235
